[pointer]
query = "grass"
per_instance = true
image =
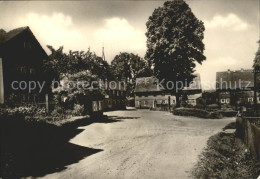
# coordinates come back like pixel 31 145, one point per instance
pixel 226 157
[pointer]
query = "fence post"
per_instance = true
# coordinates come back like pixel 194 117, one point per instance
pixel 47 102
pixel 1 82
pixel 169 102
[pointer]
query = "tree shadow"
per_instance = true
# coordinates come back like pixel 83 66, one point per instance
pixel 39 148
pixel 122 118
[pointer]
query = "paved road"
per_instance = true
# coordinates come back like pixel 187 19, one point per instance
pixel 142 144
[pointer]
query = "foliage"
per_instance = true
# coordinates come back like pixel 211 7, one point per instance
pixel 257 58
pixel 226 157
pixel 27 110
pixel 78 89
pixel 197 113
pixel 78 110
pixel 76 61
pixel 174 42
pixel 127 67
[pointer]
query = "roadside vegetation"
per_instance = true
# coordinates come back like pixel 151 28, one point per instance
pixel 204 113
pixel 226 157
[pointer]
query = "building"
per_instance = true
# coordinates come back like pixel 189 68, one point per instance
pixel 150 95
pixel 193 91
pixel 235 87
pixel 21 59
pixel 115 95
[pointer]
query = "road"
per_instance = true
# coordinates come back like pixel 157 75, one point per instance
pixel 142 144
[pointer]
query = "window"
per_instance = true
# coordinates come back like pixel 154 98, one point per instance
pixel 145 103
pixel 163 101
pixel 223 100
pixel 117 93
pixel 173 101
pixel 100 105
pixel 227 100
pixel 250 99
pixel 94 106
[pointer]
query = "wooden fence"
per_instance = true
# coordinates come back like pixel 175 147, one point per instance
pixel 248 129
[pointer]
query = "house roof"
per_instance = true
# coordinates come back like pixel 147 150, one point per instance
pixel 6 36
pixel 243 78
pixel 147 84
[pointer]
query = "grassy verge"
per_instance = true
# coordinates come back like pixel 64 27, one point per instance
pixel 226 157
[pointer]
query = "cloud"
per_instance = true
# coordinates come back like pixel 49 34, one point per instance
pixel 56 29
pixel 119 33
pixel 230 22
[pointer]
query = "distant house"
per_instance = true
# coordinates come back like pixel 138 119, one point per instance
pixel 193 91
pixel 115 95
pixel 21 59
pixel 235 87
pixel 150 95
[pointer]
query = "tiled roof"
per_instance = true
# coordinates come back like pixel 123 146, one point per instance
pixel 235 79
pixel 147 84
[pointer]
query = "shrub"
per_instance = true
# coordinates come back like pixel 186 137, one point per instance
pixel 216 115
pixel 213 106
pixel 23 110
pixel 191 112
pixel 78 110
pixel 27 111
pixel 197 113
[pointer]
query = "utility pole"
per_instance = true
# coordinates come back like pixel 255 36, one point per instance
pixel 1 82
pixel 103 53
pixel 256 84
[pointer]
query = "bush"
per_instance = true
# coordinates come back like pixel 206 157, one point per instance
pixel 78 110
pixel 226 157
pixel 216 115
pixel 212 106
pixel 27 111
pixel 197 113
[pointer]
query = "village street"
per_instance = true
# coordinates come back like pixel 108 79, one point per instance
pixel 142 144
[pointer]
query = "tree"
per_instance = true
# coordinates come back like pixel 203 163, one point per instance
pixel 256 67
pixel 127 67
pixel 174 43
pixel 257 59
pixel 61 63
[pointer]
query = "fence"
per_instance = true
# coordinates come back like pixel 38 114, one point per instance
pixel 248 129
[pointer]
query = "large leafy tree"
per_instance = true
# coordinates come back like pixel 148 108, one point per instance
pixel 257 58
pixel 127 67
pixel 257 67
pixel 174 42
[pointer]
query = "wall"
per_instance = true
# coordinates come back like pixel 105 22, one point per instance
pixel 148 101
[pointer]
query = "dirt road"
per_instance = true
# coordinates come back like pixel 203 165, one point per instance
pixel 142 144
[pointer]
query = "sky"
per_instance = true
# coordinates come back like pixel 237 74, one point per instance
pixel 232 28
